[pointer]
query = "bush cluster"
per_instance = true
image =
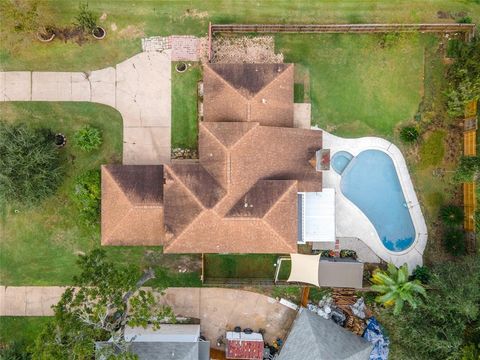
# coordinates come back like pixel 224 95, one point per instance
pixel 454 238
pixel 409 134
pixel 30 166
pixel 88 138
pixel 86 196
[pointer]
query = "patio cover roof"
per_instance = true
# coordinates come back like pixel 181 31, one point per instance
pixel 317 216
pixel 310 269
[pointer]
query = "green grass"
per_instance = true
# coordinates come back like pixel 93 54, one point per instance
pixel 285 269
pixel 299 93
pixel 432 150
pixel 184 107
pixel 126 22
pixel 40 245
pixel 357 86
pixel 21 329
pixel 241 266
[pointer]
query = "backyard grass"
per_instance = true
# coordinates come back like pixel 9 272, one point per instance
pixel 432 150
pixel 360 84
pixel 184 107
pixel 126 22
pixel 241 266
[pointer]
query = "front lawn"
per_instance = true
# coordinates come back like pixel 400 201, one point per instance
pixel 40 244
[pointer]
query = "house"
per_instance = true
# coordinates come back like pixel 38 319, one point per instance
pixel 170 341
pixel 242 194
pixel 315 338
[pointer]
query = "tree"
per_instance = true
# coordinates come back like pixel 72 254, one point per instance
pixel 396 288
pixel 464 77
pixel 409 134
pixel 452 215
pixel 436 329
pixel 29 164
pixel 106 298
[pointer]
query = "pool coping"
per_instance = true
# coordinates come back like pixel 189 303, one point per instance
pixel 358 225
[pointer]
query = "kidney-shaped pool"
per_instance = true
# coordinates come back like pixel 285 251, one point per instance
pixel 370 181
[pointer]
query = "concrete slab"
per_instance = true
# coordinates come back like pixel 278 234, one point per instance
pixel 80 87
pixel 51 86
pixel 16 86
pixel 302 115
pixel 144 90
pixel 14 300
pixel 103 86
pixel 146 145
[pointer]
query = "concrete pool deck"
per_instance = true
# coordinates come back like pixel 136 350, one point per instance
pixel 352 222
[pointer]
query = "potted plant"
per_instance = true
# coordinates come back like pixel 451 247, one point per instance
pixel 60 140
pixel 181 67
pixel 86 21
pixel 46 34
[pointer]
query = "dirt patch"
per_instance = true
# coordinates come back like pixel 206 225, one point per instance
pixel 75 34
pixel 131 32
pixel 233 49
pixel 177 263
pixel 195 14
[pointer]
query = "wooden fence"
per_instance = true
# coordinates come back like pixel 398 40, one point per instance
pixel 342 28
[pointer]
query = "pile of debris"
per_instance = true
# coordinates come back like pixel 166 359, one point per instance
pixel 234 50
pixel 345 309
pixel 179 153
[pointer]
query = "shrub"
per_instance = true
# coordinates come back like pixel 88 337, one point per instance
pixel 88 138
pixel 465 20
pixel 452 215
pixel 85 19
pixel 468 169
pixel 422 274
pixel 86 196
pixel 29 164
pixel 455 241
pixel 409 134
pixel 464 77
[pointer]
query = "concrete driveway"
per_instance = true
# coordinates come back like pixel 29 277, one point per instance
pixel 218 309
pixel 139 88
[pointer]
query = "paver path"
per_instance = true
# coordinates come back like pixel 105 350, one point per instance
pixel 139 88
pixel 218 309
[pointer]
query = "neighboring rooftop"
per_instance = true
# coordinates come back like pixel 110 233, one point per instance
pixel 315 338
pixel 260 93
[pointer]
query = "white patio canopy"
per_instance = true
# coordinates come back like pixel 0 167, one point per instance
pixel 334 272
pixel 316 216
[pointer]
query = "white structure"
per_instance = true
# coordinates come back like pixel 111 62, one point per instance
pixel 166 333
pixel 316 216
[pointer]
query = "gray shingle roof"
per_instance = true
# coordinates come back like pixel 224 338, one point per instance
pixel 315 338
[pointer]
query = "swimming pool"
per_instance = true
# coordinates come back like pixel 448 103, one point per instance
pixel 370 181
pixel 340 161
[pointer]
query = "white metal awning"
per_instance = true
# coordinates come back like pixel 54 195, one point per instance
pixel 317 216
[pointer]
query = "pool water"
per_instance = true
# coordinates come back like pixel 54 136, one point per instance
pixel 370 181
pixel 340 161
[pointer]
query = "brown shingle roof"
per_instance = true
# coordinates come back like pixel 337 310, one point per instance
pixel 132 205
pixel 249 92
pixel 241 197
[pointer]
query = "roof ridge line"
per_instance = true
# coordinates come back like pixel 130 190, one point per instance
pixel 212 135
pixel 172 173
pixel 117 185
pixel 271 82
pixel 295 182
pixel 229 85
pixel 166 247
pixel 119 222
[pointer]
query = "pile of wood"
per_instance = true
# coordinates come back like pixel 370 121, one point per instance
pixel 343 298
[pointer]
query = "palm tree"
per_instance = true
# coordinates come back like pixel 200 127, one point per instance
pixel 395 289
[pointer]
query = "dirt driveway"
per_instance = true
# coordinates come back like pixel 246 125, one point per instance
pixel 222 309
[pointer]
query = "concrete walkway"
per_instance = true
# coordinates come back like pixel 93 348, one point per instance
pixel 139 88
pixel 218 309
